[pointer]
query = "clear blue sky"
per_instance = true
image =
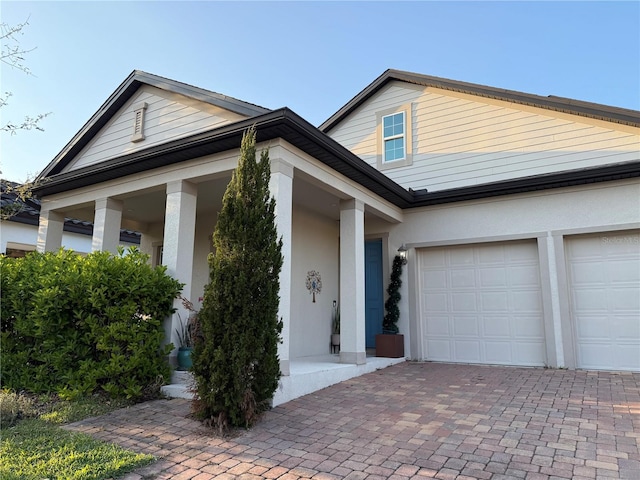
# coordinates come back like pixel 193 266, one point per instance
pixel 311 57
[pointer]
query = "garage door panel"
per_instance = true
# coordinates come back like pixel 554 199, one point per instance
pixel 526 301
pixel 491 256
pixel 604 281
pixel 461 278
pixel 492 298
pixel 439 350
pixel 624 299
pixel 459 257
pixel 623 271
pixel 521 252
pixel 438 326
pixel 499 353
pixel 436 302
pixel 466 326
pixel 524 276
pixel 435 279
pixel 463 302
pixel 496 327
pixel 525 327
pixel 593 327
pixel 467 351
pixel 590 300
pixel 592 273
pixel 627 329
pixel 528 353
pixel 494 302
pixel 628 356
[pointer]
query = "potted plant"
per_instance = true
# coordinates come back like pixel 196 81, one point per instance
pixel 390 343
pixel 335 327
pixel 186 335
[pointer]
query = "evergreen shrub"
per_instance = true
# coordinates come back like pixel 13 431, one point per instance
pixel 78 325
pixel 235 362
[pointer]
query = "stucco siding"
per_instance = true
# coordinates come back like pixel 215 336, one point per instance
pixel 168 116
pixel 315 246
pixel 460 140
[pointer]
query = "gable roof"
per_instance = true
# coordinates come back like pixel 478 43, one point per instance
pixel 559 104
pixel 286 124
pixel 123 93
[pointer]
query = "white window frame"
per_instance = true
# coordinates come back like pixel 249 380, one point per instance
pixel 402 136
pixel 382 163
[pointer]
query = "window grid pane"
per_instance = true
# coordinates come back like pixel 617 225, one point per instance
pixel 393 136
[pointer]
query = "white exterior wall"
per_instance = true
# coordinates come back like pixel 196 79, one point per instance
pixel 549 217
pixel 315 246
pixel 28 235
pixel 168 116
pixel 461 140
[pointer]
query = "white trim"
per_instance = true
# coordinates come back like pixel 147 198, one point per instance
pixel 407 137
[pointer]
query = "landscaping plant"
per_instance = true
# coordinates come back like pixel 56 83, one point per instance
pixel 235 362
pixel 78 325
pixel 390 320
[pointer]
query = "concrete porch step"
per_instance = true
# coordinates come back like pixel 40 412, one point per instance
pixel 180 387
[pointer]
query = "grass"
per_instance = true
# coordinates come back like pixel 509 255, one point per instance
pixel 35 447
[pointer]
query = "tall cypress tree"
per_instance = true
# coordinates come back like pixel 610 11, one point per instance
pixel 235 361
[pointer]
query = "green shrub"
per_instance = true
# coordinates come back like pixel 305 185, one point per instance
pixel 235 364
pixel 76 325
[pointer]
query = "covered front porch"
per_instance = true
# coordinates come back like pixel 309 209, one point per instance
pixel 321 215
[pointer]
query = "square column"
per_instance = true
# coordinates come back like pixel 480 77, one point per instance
pixel 352 298
pixel 106 225
pixel 552 275
pixel 50 227
pixel 281 189
pixel 177 255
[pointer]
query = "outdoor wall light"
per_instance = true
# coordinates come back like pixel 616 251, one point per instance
pixel 402 251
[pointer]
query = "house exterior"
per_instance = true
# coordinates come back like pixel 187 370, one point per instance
pixel 520 213
pixel 19 233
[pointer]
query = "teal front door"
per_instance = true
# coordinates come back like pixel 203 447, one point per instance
pixel 373 291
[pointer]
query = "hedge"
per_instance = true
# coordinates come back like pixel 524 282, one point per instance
pixel 79 325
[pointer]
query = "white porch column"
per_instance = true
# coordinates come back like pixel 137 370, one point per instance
pixel 106 225
pixel 179 237
pixel 281 188
pixel 50 231
pixel 352 308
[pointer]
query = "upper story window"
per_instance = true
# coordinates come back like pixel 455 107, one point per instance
pixel 393 129
pixel 394 138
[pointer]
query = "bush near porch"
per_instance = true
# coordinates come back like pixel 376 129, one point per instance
pixel 78 325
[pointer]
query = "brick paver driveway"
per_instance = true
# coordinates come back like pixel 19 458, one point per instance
pixel 413 420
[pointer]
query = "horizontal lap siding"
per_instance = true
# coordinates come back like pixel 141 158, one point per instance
pixel 459 142
pixel 168 117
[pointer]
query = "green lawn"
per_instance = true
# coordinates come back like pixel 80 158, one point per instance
pixel 37 448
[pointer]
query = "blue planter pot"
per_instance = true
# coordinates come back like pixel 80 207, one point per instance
pixel 184 358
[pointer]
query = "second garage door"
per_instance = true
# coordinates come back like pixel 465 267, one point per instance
pixel 604 276
pixel 482 303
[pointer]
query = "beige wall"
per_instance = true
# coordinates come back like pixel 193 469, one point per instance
pixel 461 140
pixel 168 116
pixel 315 247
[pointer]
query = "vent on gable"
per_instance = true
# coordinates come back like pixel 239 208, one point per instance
pixel 138 121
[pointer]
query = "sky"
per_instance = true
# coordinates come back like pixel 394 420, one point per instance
pixel 312 57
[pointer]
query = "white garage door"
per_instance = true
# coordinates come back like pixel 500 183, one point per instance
pixel 604 278
pixel 482 304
